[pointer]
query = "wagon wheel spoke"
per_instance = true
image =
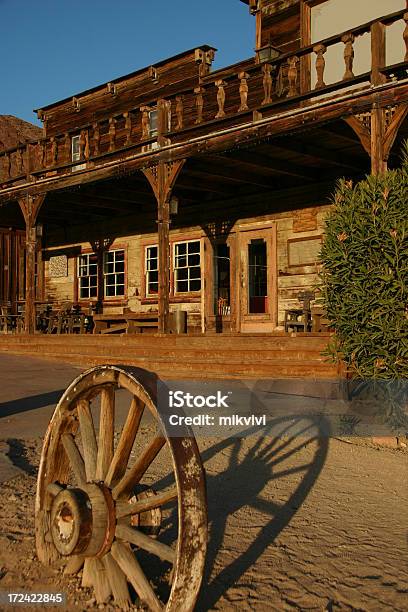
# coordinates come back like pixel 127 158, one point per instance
pixel 121 457
pixel 74 565
pixel 117 581
pixel 101 582
pixel 88 438
pixel 106 432
pixel 133 536
pixel 133 476
pixel 131 568
pixel 156 501
pixel 75 458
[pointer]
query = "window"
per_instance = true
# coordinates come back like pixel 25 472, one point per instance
pixel 114 274
pixel 187 266
pixel 88 276
pixel 152 270
pixel 153 119
pixel 257 276
pixel 75 148
pixel 76 152
pixel 153 129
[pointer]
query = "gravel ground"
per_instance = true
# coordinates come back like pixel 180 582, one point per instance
pixel 295 524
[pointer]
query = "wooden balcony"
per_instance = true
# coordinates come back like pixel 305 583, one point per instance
pixel 225 102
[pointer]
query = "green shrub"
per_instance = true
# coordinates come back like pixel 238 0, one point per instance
pixel 365 278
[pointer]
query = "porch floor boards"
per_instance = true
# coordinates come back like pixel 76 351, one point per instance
pixel 206 356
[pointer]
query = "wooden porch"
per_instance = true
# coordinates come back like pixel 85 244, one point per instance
pixel 239 356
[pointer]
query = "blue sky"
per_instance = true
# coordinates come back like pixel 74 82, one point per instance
pixel 52 49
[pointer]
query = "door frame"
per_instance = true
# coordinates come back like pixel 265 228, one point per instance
pixel 263 322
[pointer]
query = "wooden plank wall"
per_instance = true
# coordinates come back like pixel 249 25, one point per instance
pixel 140 89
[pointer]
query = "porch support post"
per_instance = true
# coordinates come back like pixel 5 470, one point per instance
pixel 163 228
pixel 30 207
pixel 378 161
pixel 162 178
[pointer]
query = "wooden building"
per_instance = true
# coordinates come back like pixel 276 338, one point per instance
pixel 179 187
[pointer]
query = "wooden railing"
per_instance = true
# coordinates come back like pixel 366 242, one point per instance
pixel 229 96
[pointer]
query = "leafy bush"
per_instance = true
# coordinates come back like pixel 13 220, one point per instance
pixel 365 278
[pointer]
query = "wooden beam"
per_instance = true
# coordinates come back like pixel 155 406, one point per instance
pixel 162 179
pixel 378 162
pixel 268 164
pixel 392 129
pixel 236 178
pixel 317 154
pixel 362 132
pixel 30 207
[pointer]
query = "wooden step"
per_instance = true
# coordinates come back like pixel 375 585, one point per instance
pixel 205 369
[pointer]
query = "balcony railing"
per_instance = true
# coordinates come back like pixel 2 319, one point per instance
pixel 224 98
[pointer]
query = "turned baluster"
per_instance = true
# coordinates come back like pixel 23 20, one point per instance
pixel 112 133
pixel 128 127
pixel 67 147
pixel 406 36
pixel 348 40
pixel 267 83
pixel 19 161
pixel 81 144
pixel 145 122
pixel 7 165
pixel 179 112
pixel 220 98
pixel 96 138
pixel 54 151
pixel 320 50
pixel 243 91
pixel 43 154
pixel 27 160
pixel 293 76
pixel 199 103
pixel 87 151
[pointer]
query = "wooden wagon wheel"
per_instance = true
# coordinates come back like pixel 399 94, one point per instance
pixel 92 511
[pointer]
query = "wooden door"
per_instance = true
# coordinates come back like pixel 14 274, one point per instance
pixel 257 280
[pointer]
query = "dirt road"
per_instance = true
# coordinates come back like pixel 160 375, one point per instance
pixel 295 524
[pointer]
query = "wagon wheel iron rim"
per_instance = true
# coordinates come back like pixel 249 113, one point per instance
pixel 90 508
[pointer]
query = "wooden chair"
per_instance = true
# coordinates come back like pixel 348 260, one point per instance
pixel 59 320
pixel 300 319
pixel 224 309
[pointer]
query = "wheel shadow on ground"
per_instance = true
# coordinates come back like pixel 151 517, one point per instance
pixel 18 456
pixel 241 484
pixel 32 402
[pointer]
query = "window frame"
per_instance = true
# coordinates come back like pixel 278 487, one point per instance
pixel 89 298
pixel 106 274
pixel 188 280
pixel 146 271
pixel 108 300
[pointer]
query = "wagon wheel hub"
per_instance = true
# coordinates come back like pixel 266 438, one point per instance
pixel 83 520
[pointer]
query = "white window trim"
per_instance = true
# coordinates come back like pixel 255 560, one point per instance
pixel 76 156
pixel 105 274
pixel 200 253
pixel 146 271
pixel 79 276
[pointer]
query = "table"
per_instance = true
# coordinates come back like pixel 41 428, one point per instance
pixel 128 323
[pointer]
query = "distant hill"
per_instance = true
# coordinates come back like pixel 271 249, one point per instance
pixel 14 130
